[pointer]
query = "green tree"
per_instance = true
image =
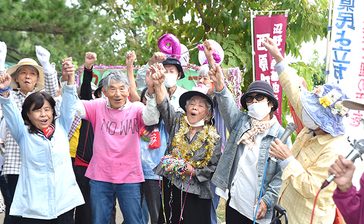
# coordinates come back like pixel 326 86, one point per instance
pixel 63 30
pixel 91 25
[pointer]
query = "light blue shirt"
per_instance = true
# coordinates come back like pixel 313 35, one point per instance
pixel 152 157
pixel 47 185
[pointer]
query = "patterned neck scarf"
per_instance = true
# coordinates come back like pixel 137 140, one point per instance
pixel 257 127
pixel 47 132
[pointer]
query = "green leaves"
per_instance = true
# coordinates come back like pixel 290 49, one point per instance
pixel 90 26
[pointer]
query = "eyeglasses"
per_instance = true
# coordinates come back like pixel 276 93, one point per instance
pixel 258 97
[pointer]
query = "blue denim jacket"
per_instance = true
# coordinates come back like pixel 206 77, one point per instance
pixel 237 123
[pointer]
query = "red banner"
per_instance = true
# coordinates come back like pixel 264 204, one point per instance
pixel 273 26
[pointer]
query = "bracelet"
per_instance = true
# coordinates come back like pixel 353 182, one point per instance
pixel 5 89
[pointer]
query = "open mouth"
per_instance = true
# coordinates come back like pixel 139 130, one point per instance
pixel 193 113
pixel 44 121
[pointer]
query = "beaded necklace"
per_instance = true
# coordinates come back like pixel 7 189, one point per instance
pixel 207 139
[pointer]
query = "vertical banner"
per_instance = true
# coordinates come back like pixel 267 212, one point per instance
pixel 347 57
pixel 273 26
pixel 347 64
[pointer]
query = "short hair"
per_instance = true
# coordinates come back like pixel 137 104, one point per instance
pixel 37 99
pixel 209 108
pixel 117 76
pixel 203 70
pixel 16 73
pixel 25 66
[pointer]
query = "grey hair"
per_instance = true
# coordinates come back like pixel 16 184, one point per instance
pixel 117 76
pixel 203 70
pixel 209 108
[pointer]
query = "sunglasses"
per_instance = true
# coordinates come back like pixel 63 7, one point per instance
pixel 258 97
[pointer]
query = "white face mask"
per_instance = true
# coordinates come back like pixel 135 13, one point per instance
pixel 197 124
pixel 201 88
pixel 307 121
pixel 170 81
pixel 259 110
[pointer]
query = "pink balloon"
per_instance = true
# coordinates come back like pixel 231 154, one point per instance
pixel 170 45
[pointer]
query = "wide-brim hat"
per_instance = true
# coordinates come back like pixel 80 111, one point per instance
pixel 261 87
pixel 325 116
pixel 30 62
pixel 353 104
pixel 189 94
pixel 175 62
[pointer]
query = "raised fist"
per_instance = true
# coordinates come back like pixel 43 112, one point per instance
pixel 90 58
pixel 5 80
pixel 130 58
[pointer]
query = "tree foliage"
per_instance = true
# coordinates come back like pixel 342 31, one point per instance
pixel 91 25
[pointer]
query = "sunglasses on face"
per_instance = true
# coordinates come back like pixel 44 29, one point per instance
pixel 258 97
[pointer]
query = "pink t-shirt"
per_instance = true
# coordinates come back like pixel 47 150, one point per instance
pixel 116 150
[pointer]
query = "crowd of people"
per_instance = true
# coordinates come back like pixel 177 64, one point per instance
pixel 168 154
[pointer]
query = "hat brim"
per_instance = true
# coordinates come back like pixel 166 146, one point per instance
pixel 353 104
pixel 40 83
pixel 322 116
pixel 179 68
pixel 271 99
pixel 188 95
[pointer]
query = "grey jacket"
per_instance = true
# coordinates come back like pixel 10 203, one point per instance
pixel 199 184
pixel 237 123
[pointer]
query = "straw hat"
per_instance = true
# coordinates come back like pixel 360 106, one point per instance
pixel 27 61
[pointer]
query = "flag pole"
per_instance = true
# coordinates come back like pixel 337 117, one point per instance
pixel 328 42
pixel 252 16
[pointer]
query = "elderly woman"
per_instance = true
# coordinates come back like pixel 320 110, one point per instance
pixel 27 77
pixel 192 155
pixel 47 190
pixel 245 175
pixel 316 147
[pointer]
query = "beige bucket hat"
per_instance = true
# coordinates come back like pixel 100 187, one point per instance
pixel 31 62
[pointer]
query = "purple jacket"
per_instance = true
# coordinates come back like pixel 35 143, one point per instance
pixel 350 204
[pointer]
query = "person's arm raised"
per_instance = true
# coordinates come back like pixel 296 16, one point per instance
pixel 273 49
pixel 130 59
pixel 86 90
pixel 5 81
pixel 157 74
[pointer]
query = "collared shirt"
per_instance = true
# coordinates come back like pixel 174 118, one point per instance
pixel 304 175
pixel 174 98
pixel 12 155
pixel 245 185
pixel 238 122
pixel 47 186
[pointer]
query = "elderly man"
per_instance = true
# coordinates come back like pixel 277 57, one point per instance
pixel 115 167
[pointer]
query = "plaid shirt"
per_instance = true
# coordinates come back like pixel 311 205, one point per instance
pixel 12 153
pixel 76 122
